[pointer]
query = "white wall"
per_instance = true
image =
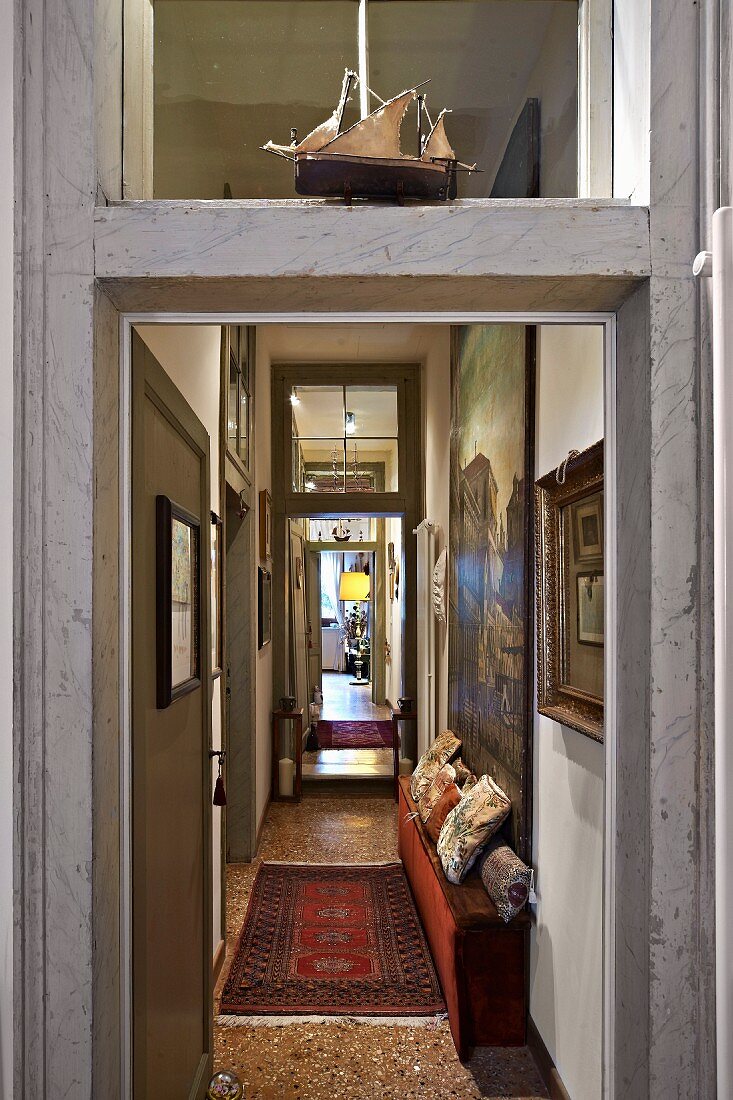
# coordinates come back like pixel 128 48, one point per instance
pixel 631 115
pixel 436 397
pixel 191 357
pixel 566 979
pixel 263 480
pixel 6 550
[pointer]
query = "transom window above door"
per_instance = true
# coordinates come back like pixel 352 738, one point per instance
pixel 344 439
pixel 229 75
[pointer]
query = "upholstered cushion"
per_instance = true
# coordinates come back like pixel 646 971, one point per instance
pixel 444 778
pixel 442 749
pixel 505 877
pixel 450 797
pixel 469 825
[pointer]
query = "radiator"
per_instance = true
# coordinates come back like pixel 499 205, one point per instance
pixel 425 532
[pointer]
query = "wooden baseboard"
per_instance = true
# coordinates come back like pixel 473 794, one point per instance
pixel 219 955
pixel 261 825
pixel 545 1064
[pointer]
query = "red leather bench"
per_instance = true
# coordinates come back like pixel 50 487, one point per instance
pixel 480 960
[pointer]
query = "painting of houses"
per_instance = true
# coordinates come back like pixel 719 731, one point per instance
pixel 490 480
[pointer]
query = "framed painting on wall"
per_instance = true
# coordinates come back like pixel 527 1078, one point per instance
pixel 178 595
pixel 490 558
pixel 264 607
pixel 216 595
pixel 265 519
pixel 571 593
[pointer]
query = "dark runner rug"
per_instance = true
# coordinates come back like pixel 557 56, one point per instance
pixel 330 941
pixel 354 735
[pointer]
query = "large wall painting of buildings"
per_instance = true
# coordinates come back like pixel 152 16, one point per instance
pixel 492 374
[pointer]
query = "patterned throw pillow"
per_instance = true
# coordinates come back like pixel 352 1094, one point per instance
pixel 505 877
pixel 469 825
pixel 432 761
pixel 450 797
pixel 445 777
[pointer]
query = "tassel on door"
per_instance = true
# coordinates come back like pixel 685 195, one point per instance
pixel 220 795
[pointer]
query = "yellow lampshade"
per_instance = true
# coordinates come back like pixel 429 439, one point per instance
pixel 354 587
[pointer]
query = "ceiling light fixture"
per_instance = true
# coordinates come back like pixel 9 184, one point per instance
pixel 294 399
pixel 350 423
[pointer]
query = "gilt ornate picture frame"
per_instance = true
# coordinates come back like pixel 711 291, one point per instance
pixel 569 535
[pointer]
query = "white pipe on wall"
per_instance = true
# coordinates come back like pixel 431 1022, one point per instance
pixel 425 532
pixel 720 266
pixel 723 467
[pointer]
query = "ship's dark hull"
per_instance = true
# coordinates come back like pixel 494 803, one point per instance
pixel 333 175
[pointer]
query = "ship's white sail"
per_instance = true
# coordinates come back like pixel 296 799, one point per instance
pixel 323 133
pixel 437 144
pixel 313 141
pixel 377 135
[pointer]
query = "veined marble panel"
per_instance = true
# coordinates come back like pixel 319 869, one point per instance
pixel 680 961
pixel 492 237
pixel 381 294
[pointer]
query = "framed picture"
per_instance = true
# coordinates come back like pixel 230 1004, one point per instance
pixel 178 583
pixel 265 525
pixel 590 608
pixel 264 607
pixel 216 596
pixel 587 522
pixel 571 594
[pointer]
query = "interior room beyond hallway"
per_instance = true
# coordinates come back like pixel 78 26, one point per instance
pixel 342 700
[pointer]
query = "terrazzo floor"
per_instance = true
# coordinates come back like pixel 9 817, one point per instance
pixel 338 1060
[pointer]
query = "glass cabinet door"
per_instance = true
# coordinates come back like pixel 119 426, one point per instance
pixel 239 404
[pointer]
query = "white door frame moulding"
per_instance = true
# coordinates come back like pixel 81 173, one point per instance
pixel 608 321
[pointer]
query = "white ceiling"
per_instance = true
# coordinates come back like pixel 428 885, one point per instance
pixel 387 343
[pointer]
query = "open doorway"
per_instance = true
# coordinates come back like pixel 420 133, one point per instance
pixel 457 479
pixel 355 645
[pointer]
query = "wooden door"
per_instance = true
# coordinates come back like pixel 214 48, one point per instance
pixel 298 619
pixel 171 785
pixel 315 638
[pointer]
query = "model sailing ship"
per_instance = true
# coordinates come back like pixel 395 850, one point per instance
pixel 366 161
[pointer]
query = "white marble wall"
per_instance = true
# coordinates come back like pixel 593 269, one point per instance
pixel 680 959
pixel 53 551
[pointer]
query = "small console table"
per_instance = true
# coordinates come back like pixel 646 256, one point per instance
pixel 397 717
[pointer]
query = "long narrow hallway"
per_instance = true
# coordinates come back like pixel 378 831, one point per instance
pixel 343 1059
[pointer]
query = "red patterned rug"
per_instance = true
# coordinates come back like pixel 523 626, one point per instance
pixel 331 941
pixel 354 735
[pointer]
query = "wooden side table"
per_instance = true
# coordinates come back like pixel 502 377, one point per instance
pixel 296 718
pixel 397 717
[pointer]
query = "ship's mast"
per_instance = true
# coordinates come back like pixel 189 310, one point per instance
pixel 349 78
